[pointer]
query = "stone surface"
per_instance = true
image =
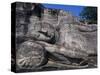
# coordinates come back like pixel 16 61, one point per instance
pixel 30 55
pixel 45 41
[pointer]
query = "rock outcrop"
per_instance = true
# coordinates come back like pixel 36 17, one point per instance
pixel 44 37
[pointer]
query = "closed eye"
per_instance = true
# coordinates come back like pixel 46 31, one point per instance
pixel 44 33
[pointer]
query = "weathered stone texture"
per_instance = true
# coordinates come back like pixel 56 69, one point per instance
pixel 53 37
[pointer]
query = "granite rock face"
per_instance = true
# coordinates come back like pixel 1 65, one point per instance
pixel 43 39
